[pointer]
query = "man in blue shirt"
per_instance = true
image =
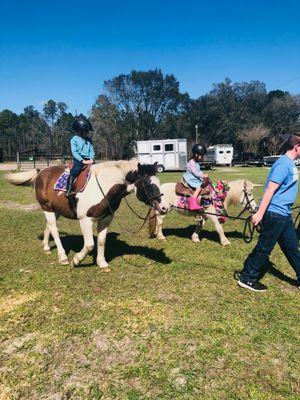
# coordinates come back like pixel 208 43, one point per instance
pixel 274 213
pixel 82 149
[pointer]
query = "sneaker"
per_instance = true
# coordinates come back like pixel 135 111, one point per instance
pixel 254 286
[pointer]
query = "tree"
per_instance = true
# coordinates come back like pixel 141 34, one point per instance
pixel 251 137
pixel 140 105
pixel 274 145
pixel 282 113
pixel 9 129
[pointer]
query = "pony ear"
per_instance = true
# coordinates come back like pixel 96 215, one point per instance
pixel 139 166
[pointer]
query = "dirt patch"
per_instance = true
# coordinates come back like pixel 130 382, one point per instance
pixel 9 304
pixel 16 206
pixel 12 345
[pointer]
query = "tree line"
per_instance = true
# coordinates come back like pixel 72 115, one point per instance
pixel 145 105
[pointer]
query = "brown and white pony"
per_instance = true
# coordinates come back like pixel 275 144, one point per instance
pixel 240 192
pixel 115 178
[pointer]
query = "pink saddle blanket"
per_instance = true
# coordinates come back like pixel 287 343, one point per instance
pixel 188 203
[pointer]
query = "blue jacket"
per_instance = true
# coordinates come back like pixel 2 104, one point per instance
pixel 82 148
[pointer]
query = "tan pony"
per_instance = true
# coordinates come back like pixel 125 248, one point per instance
pixel 240 192
pixel 116 179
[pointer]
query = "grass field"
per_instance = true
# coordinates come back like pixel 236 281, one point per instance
pixel 168 322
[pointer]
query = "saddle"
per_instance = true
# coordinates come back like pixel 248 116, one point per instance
pixel 80 182
pixel 183 189
pixel 82 179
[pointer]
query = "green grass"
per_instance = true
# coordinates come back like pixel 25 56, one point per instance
pixel 167 323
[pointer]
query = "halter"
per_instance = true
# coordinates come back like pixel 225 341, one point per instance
pixel 247 197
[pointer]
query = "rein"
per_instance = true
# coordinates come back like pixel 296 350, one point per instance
pixel 145 219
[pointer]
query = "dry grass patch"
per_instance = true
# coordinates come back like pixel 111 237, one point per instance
pixel 10 303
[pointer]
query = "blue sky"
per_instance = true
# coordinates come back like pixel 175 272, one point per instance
pixel 64 50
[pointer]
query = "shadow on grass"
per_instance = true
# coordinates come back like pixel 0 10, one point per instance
pixel 271 269
pixel 114 248
pixel 209 235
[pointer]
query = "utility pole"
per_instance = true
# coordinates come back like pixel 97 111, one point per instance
pixel 196 127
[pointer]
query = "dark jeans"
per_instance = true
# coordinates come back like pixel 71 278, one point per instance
pixel 77 167
pixel 275 228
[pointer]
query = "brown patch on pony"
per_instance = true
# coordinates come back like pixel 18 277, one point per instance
pixel 50 199
pixel 110 203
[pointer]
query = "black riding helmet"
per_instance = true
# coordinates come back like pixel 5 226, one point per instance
pixel 81 124
pixel 199 149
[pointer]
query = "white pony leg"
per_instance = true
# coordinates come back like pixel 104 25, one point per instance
pixel 51 224
pixel 86 225
pixel 195 235
pixel 223 239
pixel 46 239
pixel 159 224
pixel 101 240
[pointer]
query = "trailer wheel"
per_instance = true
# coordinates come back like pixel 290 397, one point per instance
pixel 160 168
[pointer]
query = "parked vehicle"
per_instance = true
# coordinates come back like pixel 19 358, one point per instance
pixel 170 154
pixel 219 154
pixel 246 159
pixel 269 160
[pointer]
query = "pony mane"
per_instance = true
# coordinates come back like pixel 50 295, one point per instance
pixel 124 165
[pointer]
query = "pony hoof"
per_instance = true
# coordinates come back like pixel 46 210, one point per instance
pixel 196 240
pixel 105 269
pixel 163 239
pixel 47 251
pixel 226 243
pixel 64 262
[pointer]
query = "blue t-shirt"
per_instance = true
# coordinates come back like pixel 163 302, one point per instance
pixel 284 173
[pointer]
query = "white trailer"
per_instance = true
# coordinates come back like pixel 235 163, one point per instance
pixel 219 154
pixel 170 154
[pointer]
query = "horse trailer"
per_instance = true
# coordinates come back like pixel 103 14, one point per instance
pixel 219 154
pixel 170 154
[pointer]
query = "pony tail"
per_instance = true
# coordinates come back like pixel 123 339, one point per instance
pixel 26 178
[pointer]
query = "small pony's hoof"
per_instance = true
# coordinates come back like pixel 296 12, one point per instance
pixel 105 269
pixel 47 252
pixel 226 243
pixel 64 262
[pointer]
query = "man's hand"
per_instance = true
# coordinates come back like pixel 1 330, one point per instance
pixel 87 161
pixel 257 217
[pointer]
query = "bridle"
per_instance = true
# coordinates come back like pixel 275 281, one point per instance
pixel 151 199
pixel 247 199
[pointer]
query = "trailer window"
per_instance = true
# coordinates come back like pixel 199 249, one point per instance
pixel 156 147
pixel 228 151
pixel 169 147
pixel 221 151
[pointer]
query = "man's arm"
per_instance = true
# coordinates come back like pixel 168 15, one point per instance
pixel 267 197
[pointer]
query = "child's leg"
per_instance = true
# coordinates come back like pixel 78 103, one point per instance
pixel 197 192
pixel 75 170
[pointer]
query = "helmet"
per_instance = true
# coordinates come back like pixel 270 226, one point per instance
pixel 81 123
pixel 199 149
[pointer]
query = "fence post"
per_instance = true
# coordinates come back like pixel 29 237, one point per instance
pixel 18 161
